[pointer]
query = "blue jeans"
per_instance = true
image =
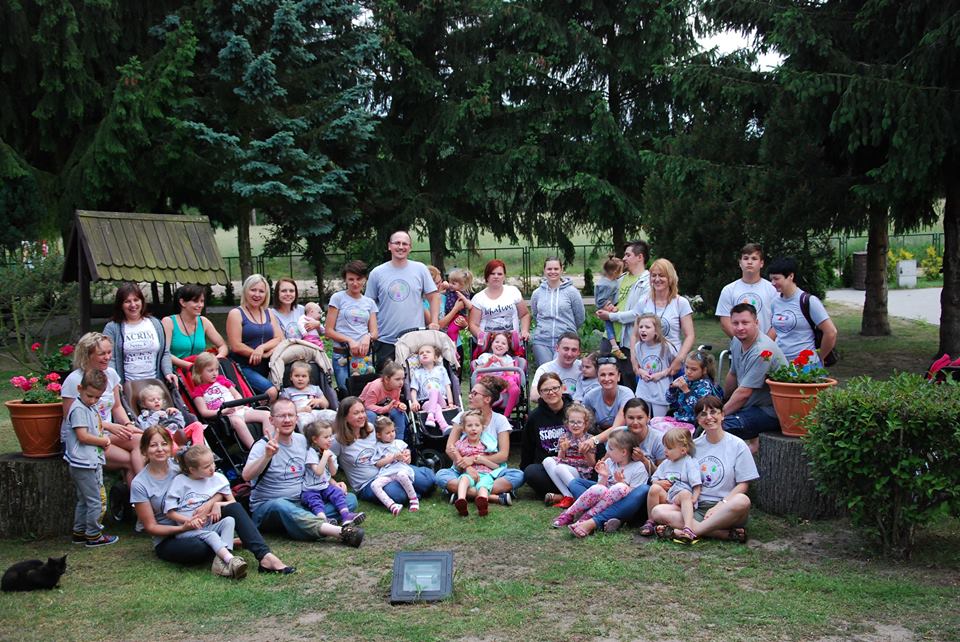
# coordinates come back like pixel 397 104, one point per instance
pixel 608 328
pixel 399 420
pixel 287 516
pixel 446 475
pixel 626 509
pixel 257 381
pixel 340 373
pixel 748 423
pixel 543 353
pixel 422 483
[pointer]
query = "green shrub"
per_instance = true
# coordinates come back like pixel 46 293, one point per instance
pixel 893 257
pixel 587 282
pixel 888 451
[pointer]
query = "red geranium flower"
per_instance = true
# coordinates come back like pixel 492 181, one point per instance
pixel 765 355
pixel 35 346
pixel 66 350
pixel 53 386
pixel 801 359
pixel 53 376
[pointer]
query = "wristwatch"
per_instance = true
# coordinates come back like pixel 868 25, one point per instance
pixel 595 440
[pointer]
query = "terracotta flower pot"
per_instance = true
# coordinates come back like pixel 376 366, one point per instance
pixel 794 401
pixel 37 426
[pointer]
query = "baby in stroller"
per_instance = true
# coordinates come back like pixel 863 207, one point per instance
pixel 309 399
pixel 213 389
pixel 498 355
pixel 430 387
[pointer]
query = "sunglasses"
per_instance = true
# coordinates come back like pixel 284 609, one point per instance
pixel 606 361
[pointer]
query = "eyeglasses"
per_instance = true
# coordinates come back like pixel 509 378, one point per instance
pixel 400 243
pixel 284 416
pixel 550 390
pixel 707 412
pixel 474 393
pixel 576 422
pixel 605 361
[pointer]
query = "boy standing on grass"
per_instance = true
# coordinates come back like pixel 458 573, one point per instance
pixel 749 288
pixel 84 445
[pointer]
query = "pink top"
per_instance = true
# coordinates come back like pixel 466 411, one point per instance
pixel 466 449
pixel 214 394
pixel 374 393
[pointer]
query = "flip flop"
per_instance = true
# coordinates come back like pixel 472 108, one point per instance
pixel 685 536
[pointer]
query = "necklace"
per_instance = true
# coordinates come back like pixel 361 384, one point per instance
pixel 193 334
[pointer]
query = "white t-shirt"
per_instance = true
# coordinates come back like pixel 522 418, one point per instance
pixel 71 385
pixel 723 465
pixel 760 295
pixel 353 315
pixel 146 488
pixel 288 321
pixel 794 334
pixel 140 347
pixel 499 314
pixel 634 473
pixel 498 424
pixel 571 377
pixel 669 315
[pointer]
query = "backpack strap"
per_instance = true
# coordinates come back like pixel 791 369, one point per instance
pixel 805 310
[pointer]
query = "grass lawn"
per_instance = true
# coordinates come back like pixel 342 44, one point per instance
pixel 517 578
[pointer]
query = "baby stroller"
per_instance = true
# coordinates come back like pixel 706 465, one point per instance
pixel 428 443
pixel 220 437
pixel 518 416
pixel 321 369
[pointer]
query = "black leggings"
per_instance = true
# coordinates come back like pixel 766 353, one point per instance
pixel 191 550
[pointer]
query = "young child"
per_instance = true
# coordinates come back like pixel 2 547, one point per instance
pixel 311 312
pixel 604 292
pixel 697 382
pixel 456 303
pixel 430 387
pixel 321 465
pixel 382 397
pixel 617 475
pixel 213 389
pixel 478 470
pixel 307 397
pixel 197 485
pixel 682 473
pixel 500 355
pixel 387 457
pixel 651 358
pixel 84 446
pixel 570 463
pixel 588 372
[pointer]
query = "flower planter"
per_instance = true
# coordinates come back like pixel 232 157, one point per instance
pixel 37 426
pixel 793 401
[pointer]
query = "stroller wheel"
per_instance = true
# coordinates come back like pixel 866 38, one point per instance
pixel 432 459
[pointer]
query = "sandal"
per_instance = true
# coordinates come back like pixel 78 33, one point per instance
pixel 578 530
pixel 395 509
pixel 552 498
pixel 685 536
pixel 663 531
pixel 563 520
pixel 414 505
pixel 649 528
pixel 738 534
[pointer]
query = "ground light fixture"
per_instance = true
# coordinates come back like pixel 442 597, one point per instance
pixel 421 576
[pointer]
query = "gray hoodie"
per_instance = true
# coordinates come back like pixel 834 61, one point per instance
pixel 556 310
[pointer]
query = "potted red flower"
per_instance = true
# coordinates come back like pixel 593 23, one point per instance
pixel 37 415
pixel 794 388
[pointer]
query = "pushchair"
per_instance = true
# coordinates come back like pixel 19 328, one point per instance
pixel 428 443
pixel 518 416
pixel 290 351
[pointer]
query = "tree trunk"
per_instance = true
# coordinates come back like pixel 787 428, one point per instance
pixel 244 249
pixel 619 236
pixel 786 486
pixel 438 244
pixel 950 296
pixel 318 260
pixel 38 497
pixel 875 322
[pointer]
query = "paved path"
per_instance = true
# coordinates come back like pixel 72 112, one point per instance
pixel 922 304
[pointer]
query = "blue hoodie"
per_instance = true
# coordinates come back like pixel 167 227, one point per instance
pixel 556 310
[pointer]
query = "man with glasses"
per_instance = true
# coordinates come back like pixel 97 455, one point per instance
pixel 399 287
pixel 566 364
pixel 748 410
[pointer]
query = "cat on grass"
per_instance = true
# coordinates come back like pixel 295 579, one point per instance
pixel 32 575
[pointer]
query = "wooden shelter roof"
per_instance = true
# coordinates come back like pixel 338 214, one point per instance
pixel 123 246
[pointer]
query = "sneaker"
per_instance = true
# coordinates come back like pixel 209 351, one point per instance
pixel 220 568
pixel 103 540
pixel 430 423
pixel 351 536
pixel 237 567
pixel 353 518
pixel 453 498
pixel 78 538
pixel 565 502
pixel 414 504
pixel 619 354
pixel 481 503
pixel 117 501
pixel 552 498
pixel 507 498
pixel 395 509
pixel 461 505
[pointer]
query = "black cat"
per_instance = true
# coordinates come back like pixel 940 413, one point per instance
pixel 31 575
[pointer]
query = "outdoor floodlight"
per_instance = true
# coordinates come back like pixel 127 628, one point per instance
pixel 421 576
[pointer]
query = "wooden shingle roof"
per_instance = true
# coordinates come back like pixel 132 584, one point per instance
pixel 166 248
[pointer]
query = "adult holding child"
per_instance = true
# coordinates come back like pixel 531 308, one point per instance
pixel 632 286
pixel 398 287
pixel 288 310
pixel 95 351
pixel 482 395
pixel 727 468
pixel 352 324
pixel 147 494
pixel 557 307
pixel 498 306
pixel 252 334
pixel 188 332
pixel 673 311
pixel 140 347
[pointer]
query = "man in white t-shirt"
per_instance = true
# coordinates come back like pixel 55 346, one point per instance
pixel 567 365
pixel 399 287
pixel 749 288
pixel 790 327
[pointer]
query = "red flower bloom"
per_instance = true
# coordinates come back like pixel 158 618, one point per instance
pixel 35 346
pixel 34 379
pixel 765 355
pixel 53 376
pixel 66 350
pixel 53 386
pixel 802 359
pixel 807 353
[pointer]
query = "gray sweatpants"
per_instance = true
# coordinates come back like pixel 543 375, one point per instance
pixel 216 536
pixel 91 501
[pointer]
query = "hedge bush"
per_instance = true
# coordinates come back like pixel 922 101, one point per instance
pixel 888 450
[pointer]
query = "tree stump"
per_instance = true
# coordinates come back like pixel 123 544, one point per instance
pixel 37 498
pixel 786 486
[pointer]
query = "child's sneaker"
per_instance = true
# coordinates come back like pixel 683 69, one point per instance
pixel 78 538
pixel 103 540
pixel 618 353
pixel 395 509
pixel 351 536
pixel 481 503
pixel 461 505
pixel 506 498
pixel 430 423
pixel 353 518
pixel 219 568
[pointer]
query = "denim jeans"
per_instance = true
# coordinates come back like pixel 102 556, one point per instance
pixel 399 420
pixel 257 381
pixel 446 475
pixel 422 483
pixel 543 353
pixel 748 423
pixel 288 516
pixel 629 507
pixel 340 373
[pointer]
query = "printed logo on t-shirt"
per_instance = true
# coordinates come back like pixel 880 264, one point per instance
pixel 753 299
pixel 104 410
pixel 570 386
pixel 357 316
pixel 665 328
pixel 550 436
pixel 711 471
pixel 652 363
pixel 398 290
pixel 365 458
pixel 193 500
pixel 784 321
pixel 292 468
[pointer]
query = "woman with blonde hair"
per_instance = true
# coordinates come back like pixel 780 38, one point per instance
pixel 252 334
pixel 672 310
